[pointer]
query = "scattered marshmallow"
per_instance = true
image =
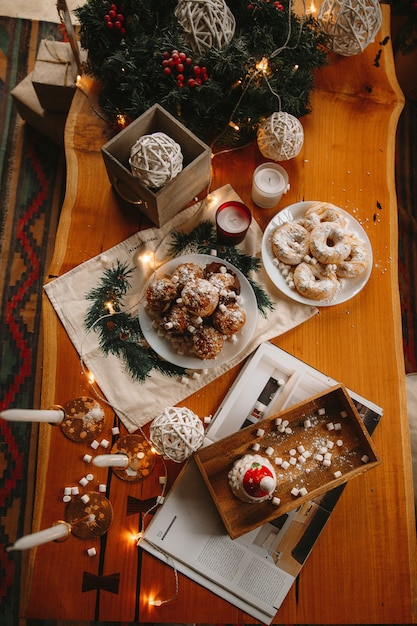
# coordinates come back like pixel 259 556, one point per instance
pixel 67 491
pixel 278 421
pixel 278 460
pixel 307 423
pixel 85 498
pixel 91 552
pixel 343 413
pixel 285 465
pixel 295 491
pixel 293 452
pixel 339 443
pixel 89 477
pixel 87 458
pixel 207 419
pixel 288 430
pixel 260 432
pixel 365 458
pixel 322 411
pixel 162 480
pixel 66 498
pixel 327 462
pixel 115 430
pixel 276 501
pixel 330 444
pixel 102 488
pixel 301 449
pixel 303 491
pixel 293 460
pixel 330 426
pixel 75 491
pixel 94 444
pixel 337 474
pixel 83 481
pixel 338 426
pixel 256 447
pixel 269 451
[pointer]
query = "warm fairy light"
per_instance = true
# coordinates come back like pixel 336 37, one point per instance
pixel 295 68
pixel 121 120
pixel 78 80
pixel 147 258
pixel 136 537
pixel 262 65
pixel 155 602
pixel 91 378
pixel 311 9
pixel 234 126
pixel 154 450
pixel 109 306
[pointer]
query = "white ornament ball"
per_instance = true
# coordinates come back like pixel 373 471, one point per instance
pixel 280 137
pixel 350 24
pixel 207 23
pixel 155 159
pixel 177 433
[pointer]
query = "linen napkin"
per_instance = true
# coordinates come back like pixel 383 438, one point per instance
pixel 135 381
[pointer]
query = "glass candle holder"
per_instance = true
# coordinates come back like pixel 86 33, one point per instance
pixel 232 222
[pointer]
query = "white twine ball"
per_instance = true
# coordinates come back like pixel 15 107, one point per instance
pixel 350 24
pixel 177 433
pixel 207 23
pixel 155 159
pixel 280 137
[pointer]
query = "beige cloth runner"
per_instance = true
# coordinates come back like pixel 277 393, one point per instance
pixel 137 403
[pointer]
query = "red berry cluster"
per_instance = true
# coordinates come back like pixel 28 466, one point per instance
pixel 115 19
pixel 182 68
pixel 277 5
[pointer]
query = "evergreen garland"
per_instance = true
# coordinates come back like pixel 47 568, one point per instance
pixel 127 61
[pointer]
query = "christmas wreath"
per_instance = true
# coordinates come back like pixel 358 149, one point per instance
pixel 219 67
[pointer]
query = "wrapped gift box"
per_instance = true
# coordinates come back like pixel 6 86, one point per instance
pixel 55 74
pixel 50 123
pixel 162 204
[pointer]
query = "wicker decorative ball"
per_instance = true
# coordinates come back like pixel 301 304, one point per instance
pixel 177 433
pixel 350 25
pixel 207 23
pixel 280 137
pixel 155 159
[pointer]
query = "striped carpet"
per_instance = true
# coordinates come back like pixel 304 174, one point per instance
pixel 31 191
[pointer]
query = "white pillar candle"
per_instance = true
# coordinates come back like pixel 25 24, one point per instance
pixel 61 530
pixel 269 183
pixel 111 460
pixel 33 415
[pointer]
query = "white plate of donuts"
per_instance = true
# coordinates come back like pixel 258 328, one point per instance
pixel 316 253
pixel 198 311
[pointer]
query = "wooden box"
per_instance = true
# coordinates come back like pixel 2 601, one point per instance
pixel 329 420
pixel 162 204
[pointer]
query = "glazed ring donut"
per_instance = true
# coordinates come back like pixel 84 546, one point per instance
pixel 313 281
pixel 356 262
pixel 329 243
pixel 290 243
pixel 326 212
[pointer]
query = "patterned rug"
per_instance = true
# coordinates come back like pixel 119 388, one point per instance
pixel 31 191
pixel 32 185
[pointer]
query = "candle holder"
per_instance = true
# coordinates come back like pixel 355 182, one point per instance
pixel 83 421
pixel 269 184
pixel 90 515
pixel 140 455
pixel 232 222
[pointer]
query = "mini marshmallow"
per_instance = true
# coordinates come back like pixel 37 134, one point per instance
pixel 293 460
pixel 85 498
pixel 343 413
pixel 162 480
pixel 278 460
pixel 91 552
pixel 75 491
pixel 330 445
pixel 323 449
pixel 140 455
pixel 269 451
pixel 87 458
pixel 293 452
pixel 278 421
pixel 330 426
pixel 285 423
pixel 83 481
pixel 328 456
pixel 318 457
pixel 285 465
pixel 306 454
pixel 301 449
pixel 338 426
pixel 67 491
pixel 365 458
pixel 260 432
pixel 337 474
pixel 281 428
pixel 94 444
pixel 295 491
pixel 307 423
pixel 339 443
pixel 196 376
pixel 89 477
pixel 288 430
pixel 184 380
pixel 256 447
pixel 115 430
pixel 303 491
pixel 301 459
pixel 207 419
pixel 322 411
pixel 276 501
pixel 102 488
pixel 66 498
pixel 327 462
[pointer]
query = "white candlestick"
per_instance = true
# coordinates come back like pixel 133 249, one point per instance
pixel 33 415
pixel 61 530
pixel 111 460
pixel 270 182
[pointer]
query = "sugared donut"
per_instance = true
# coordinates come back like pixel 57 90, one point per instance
pixel 356 262
pixel 314 281
pixel 177 320
pixel 200 297
pixel 329 243
pixel 290 243
pixel 160 293
pixel 325 212
pixel 186 272
pixel 229 319
pixel 207 342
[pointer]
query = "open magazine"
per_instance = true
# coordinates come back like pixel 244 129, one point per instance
pixel 255 571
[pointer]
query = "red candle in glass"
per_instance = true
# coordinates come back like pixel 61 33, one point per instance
pixel 232 222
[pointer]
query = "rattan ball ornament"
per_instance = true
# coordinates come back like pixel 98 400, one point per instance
pixel 207 23
pixel 280 137
pixel 177 433
pixel 155 159
pixel 350 25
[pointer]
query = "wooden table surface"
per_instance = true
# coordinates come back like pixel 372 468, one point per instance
pixel 363 567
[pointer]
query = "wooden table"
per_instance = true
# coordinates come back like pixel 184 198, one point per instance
pixel 363 568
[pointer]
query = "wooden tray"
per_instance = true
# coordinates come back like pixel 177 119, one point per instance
pixel 355 455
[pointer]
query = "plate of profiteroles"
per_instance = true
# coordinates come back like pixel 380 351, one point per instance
pixel 198 311
pixel 317 253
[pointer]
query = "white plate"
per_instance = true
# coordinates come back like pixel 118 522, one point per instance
pixel 349 286
pixel 163 345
